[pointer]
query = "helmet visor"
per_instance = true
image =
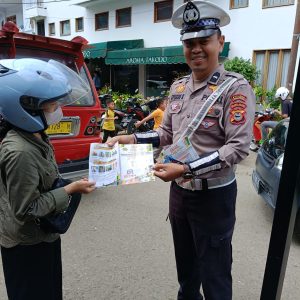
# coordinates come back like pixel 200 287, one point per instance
pixel 40 81
pixel 77 87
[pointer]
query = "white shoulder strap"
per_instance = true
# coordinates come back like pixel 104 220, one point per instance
pixel 206 106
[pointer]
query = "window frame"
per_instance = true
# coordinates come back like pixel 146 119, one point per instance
pixel 264 4
pixel 156 8
pixel 117 15
pixel 231 5
pixel 49 28
pixel 61 27
pixel 267 53
pixel 76 24
pixel 102 28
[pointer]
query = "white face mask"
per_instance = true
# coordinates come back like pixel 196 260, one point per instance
pixel 53 117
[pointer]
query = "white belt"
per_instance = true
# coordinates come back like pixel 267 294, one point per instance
pixel 198 184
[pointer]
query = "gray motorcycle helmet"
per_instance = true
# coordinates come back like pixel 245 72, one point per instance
pixel 26 84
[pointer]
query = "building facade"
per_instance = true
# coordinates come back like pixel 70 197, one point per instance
pixel 134 45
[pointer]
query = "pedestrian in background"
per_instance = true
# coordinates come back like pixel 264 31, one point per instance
pixel 286 104
pixel 157 115
pixel 31 258
pixel 97 80
pixel 203 191
pixel 109 128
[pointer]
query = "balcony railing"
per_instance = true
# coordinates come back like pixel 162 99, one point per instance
pixel 33 4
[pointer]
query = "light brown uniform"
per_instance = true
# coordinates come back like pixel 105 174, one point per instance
pixel 226 128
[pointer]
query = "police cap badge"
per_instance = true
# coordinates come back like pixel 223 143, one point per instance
pixel 199 19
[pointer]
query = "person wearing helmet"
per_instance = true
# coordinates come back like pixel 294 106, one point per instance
pixel 286 107
pixel 203 189
pixel 32 93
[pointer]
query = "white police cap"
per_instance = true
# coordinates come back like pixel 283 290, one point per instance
pixel 199 19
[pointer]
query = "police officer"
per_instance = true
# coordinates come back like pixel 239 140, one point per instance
pixel 203 192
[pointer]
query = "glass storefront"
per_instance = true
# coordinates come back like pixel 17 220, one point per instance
pixel 125 79
pixel 160 77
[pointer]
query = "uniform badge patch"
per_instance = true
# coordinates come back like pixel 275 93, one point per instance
pixel 206 124
pixel 238 106
pixel 180 88
pixel 237 117
pixel 238 97
pixel 175 106
pixel 213 87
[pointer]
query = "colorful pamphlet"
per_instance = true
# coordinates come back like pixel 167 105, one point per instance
pixel 181 151
pixel 120 164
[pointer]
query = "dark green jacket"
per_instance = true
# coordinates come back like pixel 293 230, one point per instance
pixel 27 172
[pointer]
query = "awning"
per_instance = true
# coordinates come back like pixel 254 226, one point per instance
pixel 98 50
pixel 151 56
pixel 95 50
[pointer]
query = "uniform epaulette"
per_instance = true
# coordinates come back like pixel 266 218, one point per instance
pixel 182 79
pixel 236 75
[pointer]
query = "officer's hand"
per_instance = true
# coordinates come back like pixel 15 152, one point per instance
pixel 122 139
pixel 168 172
pixel 137 124
pixel 83 186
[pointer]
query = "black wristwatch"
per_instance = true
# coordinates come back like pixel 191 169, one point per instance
pixel 187 174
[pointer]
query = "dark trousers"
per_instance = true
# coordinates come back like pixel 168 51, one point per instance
pixel 202 225
pixel 33 272
pixel 107 133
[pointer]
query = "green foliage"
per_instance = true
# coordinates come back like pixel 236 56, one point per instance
pixel 270 98
pixel 243 67
pixel 121 98
pixel 259 92
pixel 266 97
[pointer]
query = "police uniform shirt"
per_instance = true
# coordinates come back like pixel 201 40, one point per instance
pixel 226 128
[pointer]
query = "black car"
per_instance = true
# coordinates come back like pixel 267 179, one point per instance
pixel 268 165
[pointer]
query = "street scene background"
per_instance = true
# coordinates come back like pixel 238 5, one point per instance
pixel 119 246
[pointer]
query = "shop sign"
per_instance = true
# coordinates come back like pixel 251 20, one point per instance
pixel 147 60
pixel 86 54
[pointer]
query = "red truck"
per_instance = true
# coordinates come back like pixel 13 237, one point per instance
pixel 79 128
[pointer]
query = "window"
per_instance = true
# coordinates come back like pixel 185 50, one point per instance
pixel 51 28
pixel 123 17
pixel 79 24
pixel 273 67
pixel 273 3
pixel 12 19
pixel 65 27
pixel 163 10
pixel 238 3
pixel 101 21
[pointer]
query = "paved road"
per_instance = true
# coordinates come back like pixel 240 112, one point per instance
pixel 120 246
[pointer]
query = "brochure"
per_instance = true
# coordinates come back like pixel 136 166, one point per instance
pixel 181 151
pixel 120 164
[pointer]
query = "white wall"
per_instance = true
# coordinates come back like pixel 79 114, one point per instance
pixel 12 10
pixel 142 27
pixel 254 28
pixel 251 28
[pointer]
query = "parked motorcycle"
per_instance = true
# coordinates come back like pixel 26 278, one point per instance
pixel 260 116
pixel 135 113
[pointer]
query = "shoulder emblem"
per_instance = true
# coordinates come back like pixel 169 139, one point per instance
pixel 238 107
pixel 180 88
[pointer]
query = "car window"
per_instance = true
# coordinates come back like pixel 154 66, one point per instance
pixel 275 144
